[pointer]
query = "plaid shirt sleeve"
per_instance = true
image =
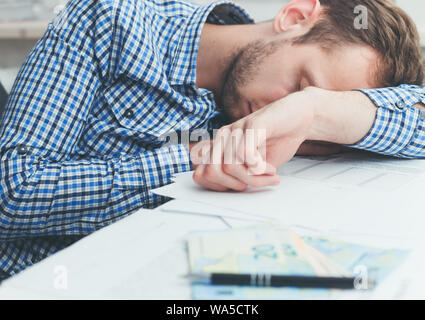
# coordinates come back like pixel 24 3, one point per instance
pixel 45 189
pixel 399 127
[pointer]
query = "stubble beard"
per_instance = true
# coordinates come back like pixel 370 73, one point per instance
pixel 242 70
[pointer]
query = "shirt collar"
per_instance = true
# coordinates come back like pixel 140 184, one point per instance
pixel 183 70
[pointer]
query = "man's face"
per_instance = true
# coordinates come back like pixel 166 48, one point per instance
pixel 262 73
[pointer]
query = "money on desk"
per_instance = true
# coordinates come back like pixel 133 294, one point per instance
pixel 280 251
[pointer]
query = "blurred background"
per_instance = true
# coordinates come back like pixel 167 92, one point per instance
pixel 22 22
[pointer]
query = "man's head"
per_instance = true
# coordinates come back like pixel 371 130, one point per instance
pixel 332 44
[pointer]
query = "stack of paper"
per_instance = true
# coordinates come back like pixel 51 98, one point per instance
pixel 357 197
pixel 359 193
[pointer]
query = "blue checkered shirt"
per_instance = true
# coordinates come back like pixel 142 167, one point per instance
pixel 82 141
pixel 399 127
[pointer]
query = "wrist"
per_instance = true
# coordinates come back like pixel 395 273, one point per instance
pixel 324 124
pixel 340 117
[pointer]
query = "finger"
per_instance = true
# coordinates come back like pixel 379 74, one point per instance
pixel 216 175
pixel 255 161
pixel 200 153
pixel 236 168
pixel 233 158
pixel 222 153
pixel 242 173
pixel 270 170
pixel 230 150
pixel 257 165
pixel 212 177
pixel 219 144
pixel 198 177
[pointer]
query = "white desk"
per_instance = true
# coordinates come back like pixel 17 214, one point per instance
pixel 139 257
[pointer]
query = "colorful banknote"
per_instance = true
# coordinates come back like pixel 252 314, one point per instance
pixel 274 250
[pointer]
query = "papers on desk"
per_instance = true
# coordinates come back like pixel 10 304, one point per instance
pixel 199 208
pixel 408 282
pixel 359 193
pixel 361 198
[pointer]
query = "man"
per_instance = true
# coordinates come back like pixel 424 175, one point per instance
pixel 390 121
pixel 84 133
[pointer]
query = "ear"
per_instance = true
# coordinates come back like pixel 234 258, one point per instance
pixel 295 14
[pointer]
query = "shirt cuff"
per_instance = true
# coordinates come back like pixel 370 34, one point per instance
pixel 160 165
pixel 395 123
pixel 153 169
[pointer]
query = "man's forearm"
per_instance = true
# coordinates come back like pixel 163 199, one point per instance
pixel 340 117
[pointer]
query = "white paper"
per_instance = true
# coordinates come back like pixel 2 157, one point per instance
pixel 199 208
pixel 406 283
pixel 351 193
pixel 364 171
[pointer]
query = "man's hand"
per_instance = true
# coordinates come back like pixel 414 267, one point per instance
pixel 212 173
pixel 248 152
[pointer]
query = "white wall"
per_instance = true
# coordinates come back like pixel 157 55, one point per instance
pixel 260 10
pixel 13 52
pixel 416 9
pixel 266 9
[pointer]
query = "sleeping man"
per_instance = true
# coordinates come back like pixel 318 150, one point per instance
pixel 83 138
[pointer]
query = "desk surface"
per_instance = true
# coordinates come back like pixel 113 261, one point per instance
pixel 118 262
pixel 140 257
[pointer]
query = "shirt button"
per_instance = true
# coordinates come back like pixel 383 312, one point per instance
pixel 399 105
pixel 129 114
pixel 22 150
pixel 422 115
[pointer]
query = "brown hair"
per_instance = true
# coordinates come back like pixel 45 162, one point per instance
pixel 390 31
